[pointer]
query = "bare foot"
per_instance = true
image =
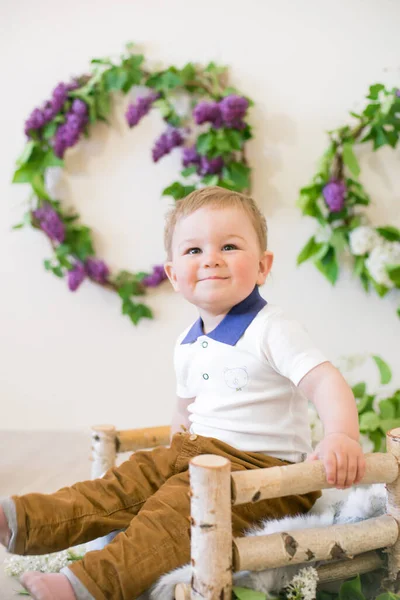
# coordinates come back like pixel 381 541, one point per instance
pixel 47 586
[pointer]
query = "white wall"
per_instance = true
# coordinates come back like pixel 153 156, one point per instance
pixel 70 360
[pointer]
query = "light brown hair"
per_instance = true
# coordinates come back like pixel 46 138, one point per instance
pixel 215 197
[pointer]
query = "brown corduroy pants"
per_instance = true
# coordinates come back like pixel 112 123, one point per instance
pixel 148 497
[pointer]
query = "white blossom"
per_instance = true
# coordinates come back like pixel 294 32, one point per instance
pixel 383 255
pixel 303 585
pixel 363 239
pixel 45 563
pixel 323 234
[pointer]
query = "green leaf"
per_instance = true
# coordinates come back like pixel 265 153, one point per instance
pixel 329 266
pixel 189 171
pixel 309 250
pixel 177 190
pixel 350 159
pixel 389 233
pixel 366 404
pixel 374 90
pixel 369 421
pixel 210 179
pixel 247 594
pixel 51 160
pixel 351 590
pixel 163 106
pixel 394 274
pixel 387 424
pixel 102 104
pixel 115 79
pixel 205 142
pixel 380 289
pixel 384 370
pixel 387 596
pixel 26 153
pixel 380 137
pixel 188 73
pixel 49 130
pixel 387 409
pixel 359 390
pixel 235 139
pixel 238 175
pixel 38 186
pixel 378 439
pixel 80 240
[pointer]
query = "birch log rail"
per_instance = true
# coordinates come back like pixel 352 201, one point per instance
pixel 214 489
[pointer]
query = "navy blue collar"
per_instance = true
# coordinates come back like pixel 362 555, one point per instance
pixel 233 325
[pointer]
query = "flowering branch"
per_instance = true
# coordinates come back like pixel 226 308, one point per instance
pixel 335 198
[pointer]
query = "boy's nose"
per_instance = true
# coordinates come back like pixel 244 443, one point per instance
pixel 212 259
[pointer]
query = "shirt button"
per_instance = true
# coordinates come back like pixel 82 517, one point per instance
pixel 204 344
pixel 206 376
pixel 193 437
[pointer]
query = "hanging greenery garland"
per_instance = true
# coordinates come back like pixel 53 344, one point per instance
pixel 211 136
pixel 337 199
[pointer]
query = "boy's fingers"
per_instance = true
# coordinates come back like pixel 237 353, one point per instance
pixel 360 468
pixel 341 470
pixel 311 457
pixel 330 467
pixel 352 470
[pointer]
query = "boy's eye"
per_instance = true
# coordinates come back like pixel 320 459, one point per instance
pixel 229 247
pixel 193 251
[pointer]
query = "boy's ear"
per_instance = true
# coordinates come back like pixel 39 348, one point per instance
pixel 265 265
pixel 170 272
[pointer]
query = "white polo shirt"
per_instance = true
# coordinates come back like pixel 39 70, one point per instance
pixel 244 375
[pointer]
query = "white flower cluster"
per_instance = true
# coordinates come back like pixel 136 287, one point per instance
pixel 387 253
pixel 363 239
pixel 303 585
pixel 382 253
pixel 45 563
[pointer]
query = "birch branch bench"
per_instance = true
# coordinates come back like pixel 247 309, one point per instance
pixel 350 549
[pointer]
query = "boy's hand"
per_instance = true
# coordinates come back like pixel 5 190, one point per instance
pixel 343 459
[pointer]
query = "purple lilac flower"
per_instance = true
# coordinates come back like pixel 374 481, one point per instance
pixel 50 222
pixel 233 109
pixel 41 116
pixel 165 143
pixel 75 276
pixel 205 112
pixel 79 108
pixel 97 270
pixel 36 120
pixel 137 111
pixel 69 132
pixel 190 156
pixel 210 166
pixel 334 193
pixel 398 93
pixel 156 277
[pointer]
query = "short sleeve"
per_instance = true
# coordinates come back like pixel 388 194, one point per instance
pixel 289 349
pixel 181 366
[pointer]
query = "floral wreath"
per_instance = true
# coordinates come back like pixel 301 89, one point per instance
pixel 336 198
pixel 211 135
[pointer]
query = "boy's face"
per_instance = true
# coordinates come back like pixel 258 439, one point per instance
pixel 216 259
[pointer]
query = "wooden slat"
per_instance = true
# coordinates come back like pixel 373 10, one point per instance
pixel 256 553
pixel 140 439
pixel 302 478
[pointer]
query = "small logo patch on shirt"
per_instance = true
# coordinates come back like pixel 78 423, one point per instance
pixel 236 378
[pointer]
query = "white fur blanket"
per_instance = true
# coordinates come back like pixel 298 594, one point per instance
pixel 335 506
